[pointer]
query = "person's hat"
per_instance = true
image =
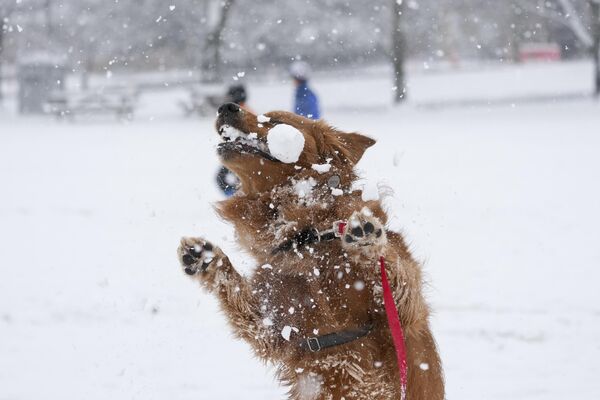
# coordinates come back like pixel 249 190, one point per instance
pixel 300 70
pixel 237 94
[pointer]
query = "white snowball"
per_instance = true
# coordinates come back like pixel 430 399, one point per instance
pixel 285 143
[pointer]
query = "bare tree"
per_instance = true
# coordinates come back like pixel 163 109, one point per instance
pixel 595 6
pixel 565 15
pixel 211 67
pixel 572 19
pixel 398 50
pixel 1 48
pixel 6 9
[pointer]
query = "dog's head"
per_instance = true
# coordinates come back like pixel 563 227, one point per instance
pixel 269 150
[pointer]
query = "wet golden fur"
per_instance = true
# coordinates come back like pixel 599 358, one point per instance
pixel 314 289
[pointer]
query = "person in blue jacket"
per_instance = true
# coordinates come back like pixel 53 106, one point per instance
pixel 306 102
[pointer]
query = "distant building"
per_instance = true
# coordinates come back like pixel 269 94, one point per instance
pixel 539 52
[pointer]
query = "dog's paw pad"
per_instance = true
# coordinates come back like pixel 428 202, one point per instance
pixel 195 255
pixel 364 231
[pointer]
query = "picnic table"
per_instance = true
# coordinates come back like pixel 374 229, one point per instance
pixel 118 101
pixel 203 101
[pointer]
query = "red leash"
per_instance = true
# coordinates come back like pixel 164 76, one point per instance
pixel 395 328
pixel 392 316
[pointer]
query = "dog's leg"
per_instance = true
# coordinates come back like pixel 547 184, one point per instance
pixel 212 268
pixel 363 242
pixel 365 239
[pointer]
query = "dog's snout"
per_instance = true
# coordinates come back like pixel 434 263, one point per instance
pixel 228 108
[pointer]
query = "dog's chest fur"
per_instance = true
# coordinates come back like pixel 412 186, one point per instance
pixel 314 302
pixel 311 290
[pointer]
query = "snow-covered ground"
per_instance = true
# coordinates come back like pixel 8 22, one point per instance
pixel 500 202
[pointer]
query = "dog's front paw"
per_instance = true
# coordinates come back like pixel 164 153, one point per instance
pixel 364 233
pixel 196 255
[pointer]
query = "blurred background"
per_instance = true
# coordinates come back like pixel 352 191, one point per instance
pixel 148 45
pixel 487 119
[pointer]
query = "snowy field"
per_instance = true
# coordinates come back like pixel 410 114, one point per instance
pixel 500 201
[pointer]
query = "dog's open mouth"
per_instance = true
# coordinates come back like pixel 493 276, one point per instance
pixel 236 141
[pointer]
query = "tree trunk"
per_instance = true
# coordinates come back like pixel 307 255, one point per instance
pixel 398 53
pixel 516 25
pixel 89 63
pixel 595 5
pixel 1 59
pixel 212 64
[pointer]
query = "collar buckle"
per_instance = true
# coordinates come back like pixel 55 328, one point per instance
pixel 313 344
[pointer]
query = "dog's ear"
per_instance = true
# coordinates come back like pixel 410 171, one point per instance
pixel 352 145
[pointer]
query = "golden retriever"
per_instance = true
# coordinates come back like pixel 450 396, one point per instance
pixel 313 306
